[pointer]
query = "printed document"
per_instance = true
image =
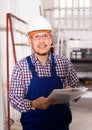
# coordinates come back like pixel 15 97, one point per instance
pixel 67 95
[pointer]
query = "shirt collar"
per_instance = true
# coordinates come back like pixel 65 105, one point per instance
pixel 35 59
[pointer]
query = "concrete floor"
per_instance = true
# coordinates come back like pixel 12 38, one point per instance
pixel 81 112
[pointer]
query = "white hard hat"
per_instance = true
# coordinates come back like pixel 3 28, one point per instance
pixel 39 23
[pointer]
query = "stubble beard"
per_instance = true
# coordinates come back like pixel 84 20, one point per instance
pixel 42 54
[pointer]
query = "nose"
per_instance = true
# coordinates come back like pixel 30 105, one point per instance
pixel 41 38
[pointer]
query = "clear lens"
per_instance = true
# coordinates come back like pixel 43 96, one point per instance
pixel 38 37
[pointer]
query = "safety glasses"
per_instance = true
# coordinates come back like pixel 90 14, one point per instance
pixel 37 37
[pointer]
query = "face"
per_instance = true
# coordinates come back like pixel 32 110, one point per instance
pixel 41 43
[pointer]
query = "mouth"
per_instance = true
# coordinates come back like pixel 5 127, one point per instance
pixel 42 46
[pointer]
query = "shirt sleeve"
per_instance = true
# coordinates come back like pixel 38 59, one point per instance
pixel 72 78
pixel 17 91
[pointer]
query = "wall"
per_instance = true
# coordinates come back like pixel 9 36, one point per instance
pixel 26 10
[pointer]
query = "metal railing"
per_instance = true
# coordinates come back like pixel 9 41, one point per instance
pixel 9 29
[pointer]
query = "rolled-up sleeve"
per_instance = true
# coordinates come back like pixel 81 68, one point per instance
pixel 72 76
pixel 17 91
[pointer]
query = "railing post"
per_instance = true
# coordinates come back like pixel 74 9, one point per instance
pixel 7 62
pixel 9 27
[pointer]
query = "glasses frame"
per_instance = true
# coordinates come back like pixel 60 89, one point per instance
pixel 37 37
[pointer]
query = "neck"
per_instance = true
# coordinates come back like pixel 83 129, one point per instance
pixel 42 58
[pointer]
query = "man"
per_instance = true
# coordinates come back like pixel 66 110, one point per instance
pixel 36 76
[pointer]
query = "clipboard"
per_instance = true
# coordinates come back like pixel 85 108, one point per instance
pixel 67 95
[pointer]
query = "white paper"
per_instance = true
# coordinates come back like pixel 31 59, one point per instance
pixel 67 95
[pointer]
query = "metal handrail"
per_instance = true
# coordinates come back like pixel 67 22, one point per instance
pixel 9 27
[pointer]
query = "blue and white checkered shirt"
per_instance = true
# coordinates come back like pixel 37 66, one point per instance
pixel 21 78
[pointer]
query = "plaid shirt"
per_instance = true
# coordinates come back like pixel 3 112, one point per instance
pixel 21 78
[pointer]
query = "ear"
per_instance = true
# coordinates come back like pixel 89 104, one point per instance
pixel 51 43
pixel 29 41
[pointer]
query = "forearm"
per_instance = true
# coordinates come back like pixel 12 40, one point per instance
pixel 42 103
pixel 20 104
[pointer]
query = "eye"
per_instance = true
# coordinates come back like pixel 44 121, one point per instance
pixel 36 36
pixel 45 35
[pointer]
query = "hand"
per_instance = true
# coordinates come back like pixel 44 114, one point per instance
pixel 67 86
pixel 42 103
